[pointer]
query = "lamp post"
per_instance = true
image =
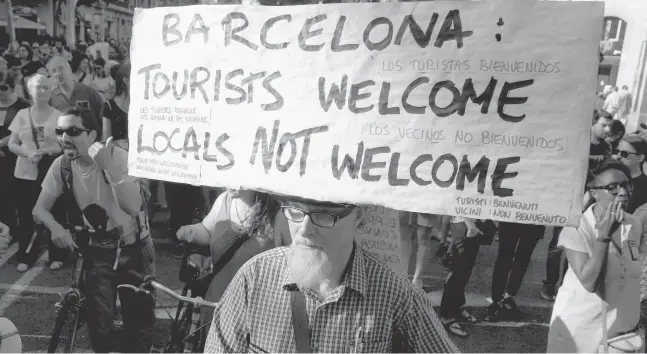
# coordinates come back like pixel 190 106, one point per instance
pixel 10 26
pixel 70 36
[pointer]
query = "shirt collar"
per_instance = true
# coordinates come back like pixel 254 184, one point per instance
pixel 354 276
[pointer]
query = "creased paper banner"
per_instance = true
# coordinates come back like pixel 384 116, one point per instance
pixel 459 108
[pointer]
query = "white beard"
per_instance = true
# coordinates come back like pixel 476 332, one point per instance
pixel 309 267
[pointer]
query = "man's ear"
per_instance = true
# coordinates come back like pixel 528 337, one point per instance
pixel 93 135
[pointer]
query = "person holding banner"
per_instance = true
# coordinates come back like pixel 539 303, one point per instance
pixel 357 303
pixel 240 225
pixel 602 285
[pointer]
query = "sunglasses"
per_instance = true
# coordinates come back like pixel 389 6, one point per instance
pixel 71 131
pixel 614 188
pixel 624 154
pixel 4 87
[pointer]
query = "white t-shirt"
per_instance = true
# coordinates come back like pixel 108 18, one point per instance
pixel 46 138
pixel 576 325
pixel 104 86
pixel 90 187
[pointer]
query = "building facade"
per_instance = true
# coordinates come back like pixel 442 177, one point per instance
pixel 623 42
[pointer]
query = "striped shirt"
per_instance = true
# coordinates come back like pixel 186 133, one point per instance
pixel 254 314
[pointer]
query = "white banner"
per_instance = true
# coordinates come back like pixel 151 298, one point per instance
pixel 458 108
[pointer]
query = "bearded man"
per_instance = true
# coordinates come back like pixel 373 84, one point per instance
pixel 323 293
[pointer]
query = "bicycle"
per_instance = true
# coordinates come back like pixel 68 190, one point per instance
pixel 71 307
pixel 186 332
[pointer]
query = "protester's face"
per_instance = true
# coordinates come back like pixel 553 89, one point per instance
pixel 23 53
pixel 627 155
pixel 84 65
pixel 5 90
pixel 4 68
pixel 112 53
pixel 75 140
pixel 98 69
pixel 45 51
pixel 601 128
pixel 58 45
pixel 40 89
pixel 112 42
pixel 15 71
pixel 314 246
pixel 617 188
pixel 59 71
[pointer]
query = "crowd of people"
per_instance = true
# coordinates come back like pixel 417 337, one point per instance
pixel 63 160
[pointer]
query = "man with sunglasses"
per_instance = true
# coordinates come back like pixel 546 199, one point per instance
pixel 323 293
pixel 100 185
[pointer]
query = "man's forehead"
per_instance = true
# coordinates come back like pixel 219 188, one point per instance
pixel 69 120
pixel 315 205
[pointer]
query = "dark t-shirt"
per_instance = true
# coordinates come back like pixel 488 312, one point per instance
pixel 598 153
pixel 639 194
pixel 118 118
pixel 83 96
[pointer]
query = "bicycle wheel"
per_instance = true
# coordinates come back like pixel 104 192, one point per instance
pixel 180 330
pixel 64 334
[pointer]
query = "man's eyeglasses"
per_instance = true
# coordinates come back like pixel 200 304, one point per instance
pixel 614 188
pixel 71 131
pixel 320 219
pixel 624 154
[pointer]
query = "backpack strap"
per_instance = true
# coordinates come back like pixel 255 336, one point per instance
pixel 74 213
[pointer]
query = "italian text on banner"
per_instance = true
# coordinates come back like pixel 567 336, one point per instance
pixel 461 108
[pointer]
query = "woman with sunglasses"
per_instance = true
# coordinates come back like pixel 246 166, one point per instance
pixel 244 219
pixel 10 105
pixel 25 54
pixel 631 151
pixel 602 283
pixel 33 140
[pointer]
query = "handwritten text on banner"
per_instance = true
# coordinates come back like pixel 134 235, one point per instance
pixel 459 108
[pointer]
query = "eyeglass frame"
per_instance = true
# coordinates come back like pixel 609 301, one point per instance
pixel 628 187
pixel 620 152
pixel 60 131
pixel 310 213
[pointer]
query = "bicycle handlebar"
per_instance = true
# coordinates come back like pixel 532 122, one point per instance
pixel 148 281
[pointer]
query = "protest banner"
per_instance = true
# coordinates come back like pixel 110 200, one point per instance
pixel 379 233
pixel 474 109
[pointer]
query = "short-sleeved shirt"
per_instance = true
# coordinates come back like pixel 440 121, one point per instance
pixel 576 325
pixel 82 96
pixel 384 308
pixel 45 133
pixel 104 86
pixel 91 189
pixel 118 119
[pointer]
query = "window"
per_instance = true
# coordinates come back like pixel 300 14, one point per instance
pixel 613 35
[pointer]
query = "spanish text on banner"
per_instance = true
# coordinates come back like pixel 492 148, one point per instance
pixel 458 108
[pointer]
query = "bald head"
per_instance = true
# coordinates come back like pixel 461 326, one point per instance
pixel 61 72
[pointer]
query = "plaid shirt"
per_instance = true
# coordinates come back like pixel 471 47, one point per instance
pixel 254 314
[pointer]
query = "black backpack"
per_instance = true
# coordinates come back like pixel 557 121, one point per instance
pixel 74 213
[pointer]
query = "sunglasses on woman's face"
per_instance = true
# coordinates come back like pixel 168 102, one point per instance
pixel 4 87
pixel 624 154
pixel 71 131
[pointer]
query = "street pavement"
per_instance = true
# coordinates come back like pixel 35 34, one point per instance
pixel 28 299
